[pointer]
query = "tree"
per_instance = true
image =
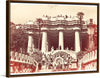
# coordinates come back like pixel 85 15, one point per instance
pixel 18 40
pixel 80 16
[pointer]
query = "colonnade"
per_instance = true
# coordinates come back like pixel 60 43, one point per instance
pixel 44 45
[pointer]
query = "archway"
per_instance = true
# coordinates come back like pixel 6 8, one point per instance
pixel 58 63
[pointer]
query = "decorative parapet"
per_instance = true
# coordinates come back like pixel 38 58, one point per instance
pixel 92 55
pixel 21 63
pixel 22 58
pixel 89 60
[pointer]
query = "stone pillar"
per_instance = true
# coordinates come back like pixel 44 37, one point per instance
pixel 77 41
pixel 61 41
pixel 30 43
pixel 44 42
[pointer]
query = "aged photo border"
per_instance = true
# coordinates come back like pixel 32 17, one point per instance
pixel 43 2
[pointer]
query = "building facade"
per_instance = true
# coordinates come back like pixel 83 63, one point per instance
pixel 59 43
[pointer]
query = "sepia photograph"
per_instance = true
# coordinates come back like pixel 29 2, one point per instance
pixel 53 38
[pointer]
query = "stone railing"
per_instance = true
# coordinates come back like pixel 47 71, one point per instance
pixel 89 60
pixel 57 22
pixel 19 57
pixel 21 63
pixel 92 55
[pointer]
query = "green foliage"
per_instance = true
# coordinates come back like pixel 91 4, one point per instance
pixel 18 40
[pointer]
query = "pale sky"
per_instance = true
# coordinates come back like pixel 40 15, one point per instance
pixel 23 12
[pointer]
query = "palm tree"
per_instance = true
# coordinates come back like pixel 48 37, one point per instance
pixel 39 21
pixel 80 16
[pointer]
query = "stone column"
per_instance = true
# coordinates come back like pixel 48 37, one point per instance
pixel 61 41
pixel 44 42
pixel 30 43
pixel 77 41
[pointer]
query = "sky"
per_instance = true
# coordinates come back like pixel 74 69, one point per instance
pixel 21 13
